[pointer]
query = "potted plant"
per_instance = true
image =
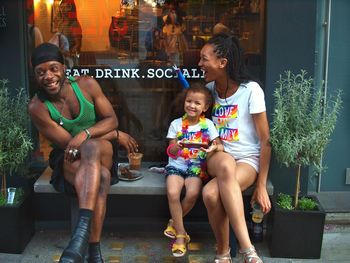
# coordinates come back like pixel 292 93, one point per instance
pixel 302 123
pixel 16 221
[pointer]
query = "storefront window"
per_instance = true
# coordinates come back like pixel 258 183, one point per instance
pixel 130 46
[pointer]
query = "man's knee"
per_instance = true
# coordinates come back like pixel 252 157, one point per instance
pixel 90 148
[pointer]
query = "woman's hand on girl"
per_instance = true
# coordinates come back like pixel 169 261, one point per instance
pixel 214 147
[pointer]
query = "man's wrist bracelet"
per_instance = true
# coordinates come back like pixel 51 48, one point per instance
pixel 88 134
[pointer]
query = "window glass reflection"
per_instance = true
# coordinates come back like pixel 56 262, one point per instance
pixel 130 46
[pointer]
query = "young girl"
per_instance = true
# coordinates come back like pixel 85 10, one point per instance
pixel 190 138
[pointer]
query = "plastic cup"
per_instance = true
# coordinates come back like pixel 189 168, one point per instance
pixel 135 161
pixel 257 214
pixel 11 191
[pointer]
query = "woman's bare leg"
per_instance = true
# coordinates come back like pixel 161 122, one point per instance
pixel 232 179
pixel 217 215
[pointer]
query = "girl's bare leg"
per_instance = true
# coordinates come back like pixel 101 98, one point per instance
pixel 174 186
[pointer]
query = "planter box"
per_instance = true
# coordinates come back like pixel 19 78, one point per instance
pixel 295 234
pixel 16 226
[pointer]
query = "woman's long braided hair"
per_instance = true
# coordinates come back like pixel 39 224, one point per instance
pixel 227 46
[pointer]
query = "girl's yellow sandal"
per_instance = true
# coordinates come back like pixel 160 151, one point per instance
pixel 170 230
pixel 179 250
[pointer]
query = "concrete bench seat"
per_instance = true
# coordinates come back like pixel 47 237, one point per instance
pixel 151 184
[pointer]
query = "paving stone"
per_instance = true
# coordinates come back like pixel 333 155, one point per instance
pixel 141 259
pixel 194 246
pixel 155 248
pixel 196 259
pixel 117 245
pixel 168 259
pixel 114 259
pixel 56 258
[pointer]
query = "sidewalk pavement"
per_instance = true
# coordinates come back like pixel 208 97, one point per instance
pixel 150 247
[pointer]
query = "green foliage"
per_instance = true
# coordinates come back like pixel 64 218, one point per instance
pixel 15 142
pixel 285 201
pixel 3 200
pixel 18 197
pixel 302 121
pixel 307 204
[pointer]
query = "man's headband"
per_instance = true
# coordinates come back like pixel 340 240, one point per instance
pixel 46 52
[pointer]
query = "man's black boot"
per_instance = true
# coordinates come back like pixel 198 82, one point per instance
pixel 95 255
pixel 76 249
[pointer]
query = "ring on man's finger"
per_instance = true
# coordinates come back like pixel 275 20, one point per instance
pixel 70 151
pixel 75 152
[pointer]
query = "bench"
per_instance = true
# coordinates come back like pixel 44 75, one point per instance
pixel 151 184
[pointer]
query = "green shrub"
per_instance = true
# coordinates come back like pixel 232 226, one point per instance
pixel 15 141
pixel 3 199
pixel 303 121
pixel 285 201
pixel 307 204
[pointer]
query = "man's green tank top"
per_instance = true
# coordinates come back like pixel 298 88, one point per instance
pixel 86 117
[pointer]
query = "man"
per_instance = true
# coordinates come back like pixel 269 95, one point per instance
pixel 76 117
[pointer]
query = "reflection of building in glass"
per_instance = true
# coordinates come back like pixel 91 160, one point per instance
pixel 68 24
pixel 111 35
pixel 175 42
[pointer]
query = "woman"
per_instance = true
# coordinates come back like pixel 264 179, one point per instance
pixel 174 39
pixel 240 117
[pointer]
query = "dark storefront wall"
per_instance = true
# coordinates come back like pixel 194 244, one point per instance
pixel 337 157
pixel 290 45
pixel 12 65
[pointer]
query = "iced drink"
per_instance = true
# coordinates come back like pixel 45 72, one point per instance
pixel 257 214
pixel 135 161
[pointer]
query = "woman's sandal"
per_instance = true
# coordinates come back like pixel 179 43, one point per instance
pixel 223 258
pixel 179 250
pixel 250 255
pixel 170 230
